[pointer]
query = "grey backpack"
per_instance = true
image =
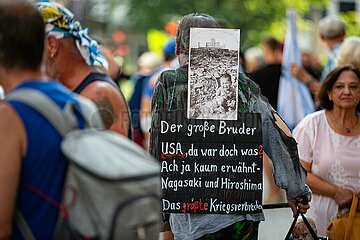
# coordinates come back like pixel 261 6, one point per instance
pixel 112 188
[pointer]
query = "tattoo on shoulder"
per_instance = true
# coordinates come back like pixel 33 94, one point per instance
pixel 106 110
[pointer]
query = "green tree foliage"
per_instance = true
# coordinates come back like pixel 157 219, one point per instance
pixel 352 22
pixel 255 18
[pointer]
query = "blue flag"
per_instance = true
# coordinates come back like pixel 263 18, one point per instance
pixel 294 99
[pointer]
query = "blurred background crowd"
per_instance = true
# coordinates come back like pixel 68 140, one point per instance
pixel 130 28
pixel 127 29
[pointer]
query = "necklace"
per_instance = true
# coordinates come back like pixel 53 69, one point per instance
pixel 347 129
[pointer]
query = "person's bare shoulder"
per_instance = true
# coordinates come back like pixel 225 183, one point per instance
pixel 12 130
pixel 111 104
pixel 98 89
pixel 12 150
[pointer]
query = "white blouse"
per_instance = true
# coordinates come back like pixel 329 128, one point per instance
pixel 335 158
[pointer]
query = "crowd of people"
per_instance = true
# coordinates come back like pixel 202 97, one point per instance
pixel 316 165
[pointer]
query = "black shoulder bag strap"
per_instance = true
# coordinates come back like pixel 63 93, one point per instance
pixel 311 230
pixel 97 76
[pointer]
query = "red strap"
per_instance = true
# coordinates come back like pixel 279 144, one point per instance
pixel 47 198
pixel 42 195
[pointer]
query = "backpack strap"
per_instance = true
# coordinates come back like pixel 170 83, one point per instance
pixel 63 120
pixel 92 77
pixel 22 225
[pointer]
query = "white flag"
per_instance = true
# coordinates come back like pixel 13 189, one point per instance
pixel 294 99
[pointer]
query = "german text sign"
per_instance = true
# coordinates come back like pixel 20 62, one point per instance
pixel 210 166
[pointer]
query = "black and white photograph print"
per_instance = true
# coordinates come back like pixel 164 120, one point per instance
pixel 213 73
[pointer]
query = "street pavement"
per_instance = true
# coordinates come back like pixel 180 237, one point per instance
pixel 276 225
